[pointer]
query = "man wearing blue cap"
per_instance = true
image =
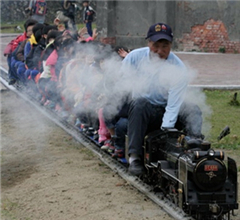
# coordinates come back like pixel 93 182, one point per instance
pixel 161 105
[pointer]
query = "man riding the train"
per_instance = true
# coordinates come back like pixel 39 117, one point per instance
pixel 159 104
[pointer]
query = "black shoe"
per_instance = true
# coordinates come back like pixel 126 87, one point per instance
pixel 12 81
pixel 136 168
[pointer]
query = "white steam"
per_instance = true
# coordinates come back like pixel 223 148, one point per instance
pixel 93 85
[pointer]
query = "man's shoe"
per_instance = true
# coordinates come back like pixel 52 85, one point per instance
pixel 136 168
pixel 12 81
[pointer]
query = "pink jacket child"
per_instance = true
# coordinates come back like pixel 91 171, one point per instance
pixel 50 64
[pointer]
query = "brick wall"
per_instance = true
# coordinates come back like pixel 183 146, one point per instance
pixel 108 40
pixel 212 36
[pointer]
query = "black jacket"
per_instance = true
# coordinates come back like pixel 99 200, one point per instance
pixel 88 13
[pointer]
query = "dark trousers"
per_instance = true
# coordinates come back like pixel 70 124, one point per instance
pixel 120 132
pixel 13 67
pixel 9 58
pixel 89 28
pixel 145 117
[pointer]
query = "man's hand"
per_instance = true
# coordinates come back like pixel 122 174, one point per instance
pixel 122 53
pixel 56 21
pixel 27 10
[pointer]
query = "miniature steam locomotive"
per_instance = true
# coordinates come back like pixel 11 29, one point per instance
pixel 192 175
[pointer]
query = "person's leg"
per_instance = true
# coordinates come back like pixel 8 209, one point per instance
pixel 73 23
pixel 89 28
pixel 33 74
pixel 51 88
pixel 9 59
pixel 109 120
pixel 103 131
pixel 41 87
pixel 112 116
pixel 13 71
pixel 120 132
pixel 143 118
pixel 22 72
pixel 33 90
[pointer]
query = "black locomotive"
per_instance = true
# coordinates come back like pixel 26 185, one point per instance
pixel 189 172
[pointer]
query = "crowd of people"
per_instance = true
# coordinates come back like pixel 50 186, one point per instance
pixel 37 9
pixel 107 90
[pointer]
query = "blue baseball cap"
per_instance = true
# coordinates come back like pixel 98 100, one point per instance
pixel 160 31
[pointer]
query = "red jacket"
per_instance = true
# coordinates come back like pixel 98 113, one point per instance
pixel 14 43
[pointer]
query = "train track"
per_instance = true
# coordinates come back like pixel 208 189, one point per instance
pixel 117 167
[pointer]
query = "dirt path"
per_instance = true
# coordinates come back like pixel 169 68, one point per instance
pixel 47 175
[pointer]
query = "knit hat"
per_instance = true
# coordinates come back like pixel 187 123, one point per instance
pixel 37 27
pixel 29 22
pixel 53 34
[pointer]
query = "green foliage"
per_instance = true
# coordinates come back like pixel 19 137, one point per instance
pixel 224 114
pixel 222 49
pixel 234 100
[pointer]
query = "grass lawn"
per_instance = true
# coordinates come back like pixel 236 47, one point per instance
pixel 10 27
pixel 224 113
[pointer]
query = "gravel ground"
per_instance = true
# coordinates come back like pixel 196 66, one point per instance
pixel 45 174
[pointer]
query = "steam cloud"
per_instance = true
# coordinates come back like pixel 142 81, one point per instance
pixel 110 83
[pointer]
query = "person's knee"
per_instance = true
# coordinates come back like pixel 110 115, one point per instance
pixel 33 73
pixel 139 105
pixel 21 71
pixel 26 74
